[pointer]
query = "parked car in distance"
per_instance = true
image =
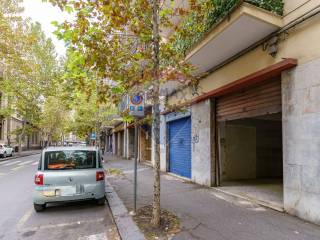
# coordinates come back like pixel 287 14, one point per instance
pixel 6 150
pixel 69 174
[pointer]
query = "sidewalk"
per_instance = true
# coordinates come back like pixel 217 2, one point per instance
pixel 22 154
pixel 206 213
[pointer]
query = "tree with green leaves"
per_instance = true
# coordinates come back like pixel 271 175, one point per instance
pixel 29 68
pixel 122 42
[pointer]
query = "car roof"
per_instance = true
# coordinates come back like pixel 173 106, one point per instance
pixel 70 148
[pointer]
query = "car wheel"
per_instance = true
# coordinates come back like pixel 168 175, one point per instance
pixel 11 154
pixel 101 201
pixel 4 154
pixel 39 207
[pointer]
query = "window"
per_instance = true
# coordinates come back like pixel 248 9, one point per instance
pixel 70 159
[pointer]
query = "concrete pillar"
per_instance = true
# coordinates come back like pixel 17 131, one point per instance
pixel 163 144
pixel 118 144
pixel 126 142
pixel 202 137
pixel 152 148
pixel 301 140
pixel 114 145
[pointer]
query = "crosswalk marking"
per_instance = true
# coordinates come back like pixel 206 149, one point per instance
pixel 24 163
pixel 35 163
pixel 3 162
pixel 16 168
pixel 11 163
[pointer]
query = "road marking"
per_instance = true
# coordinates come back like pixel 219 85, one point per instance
pixel 16 168
pixel 3 162
pixel 11 163
pixel 50 226
pixel 2 174
pixel 24 163
pixel 24 219
pixel 101 236
pixel 35 163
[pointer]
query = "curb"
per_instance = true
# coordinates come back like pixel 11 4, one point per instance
pixel 127 228
pixel 18 156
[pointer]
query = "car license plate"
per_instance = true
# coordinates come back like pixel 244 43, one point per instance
pixel 68 191
pixel 50 193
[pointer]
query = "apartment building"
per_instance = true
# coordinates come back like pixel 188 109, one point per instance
pixel 253 128
pixel 9 126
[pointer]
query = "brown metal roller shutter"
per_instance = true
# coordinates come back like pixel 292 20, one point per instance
pixel 261 99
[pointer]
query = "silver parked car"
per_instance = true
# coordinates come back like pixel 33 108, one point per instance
pixel 69 174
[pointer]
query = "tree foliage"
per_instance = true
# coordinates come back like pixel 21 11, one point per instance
pixel 121 42
pixel 29 68
pixel 115 40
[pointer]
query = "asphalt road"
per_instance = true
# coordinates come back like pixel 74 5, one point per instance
pixel 18 220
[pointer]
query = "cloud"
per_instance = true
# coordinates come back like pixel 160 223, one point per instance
pixel 45 13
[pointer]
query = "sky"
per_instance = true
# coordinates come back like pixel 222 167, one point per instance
pixel 45 13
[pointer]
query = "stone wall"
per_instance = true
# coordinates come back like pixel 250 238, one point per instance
pixel 301 140
pixel 163 143
pixel 201 143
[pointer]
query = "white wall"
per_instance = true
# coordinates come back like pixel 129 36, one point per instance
pixel 201 143
pixel 301 140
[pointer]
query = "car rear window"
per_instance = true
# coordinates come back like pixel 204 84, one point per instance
pixel 67 160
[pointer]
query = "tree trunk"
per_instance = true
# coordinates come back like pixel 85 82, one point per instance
pixel 21 136
pixel 156 211
pixel 9 131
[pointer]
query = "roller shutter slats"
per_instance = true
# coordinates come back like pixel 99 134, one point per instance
pixel 262 99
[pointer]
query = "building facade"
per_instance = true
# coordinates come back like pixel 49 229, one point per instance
pixel 252 130
pixel 120 141
pixel 9 126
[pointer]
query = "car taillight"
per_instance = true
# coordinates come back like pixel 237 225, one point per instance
pixel 99 176
pixel 38 179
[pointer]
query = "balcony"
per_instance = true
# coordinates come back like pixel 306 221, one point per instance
pixel 242 25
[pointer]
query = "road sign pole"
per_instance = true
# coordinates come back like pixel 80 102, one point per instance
pixel 135 163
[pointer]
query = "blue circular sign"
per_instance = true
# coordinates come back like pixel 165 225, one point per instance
pixel 136 99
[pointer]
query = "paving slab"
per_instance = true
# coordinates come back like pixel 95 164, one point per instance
pixel 206 213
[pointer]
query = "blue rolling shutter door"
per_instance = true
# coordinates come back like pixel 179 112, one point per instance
pixel 180 147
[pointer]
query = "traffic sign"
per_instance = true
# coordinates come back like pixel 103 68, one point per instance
pixel 136 105
pixel 93 136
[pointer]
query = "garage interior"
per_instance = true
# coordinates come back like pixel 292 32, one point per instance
pixel 250 144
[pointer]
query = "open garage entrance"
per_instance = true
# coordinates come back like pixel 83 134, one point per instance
pixel 250 143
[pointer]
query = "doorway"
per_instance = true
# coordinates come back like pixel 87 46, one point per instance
pixel 250 143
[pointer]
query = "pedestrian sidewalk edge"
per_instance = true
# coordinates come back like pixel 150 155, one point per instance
pixel 127 228
pixel 19 156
